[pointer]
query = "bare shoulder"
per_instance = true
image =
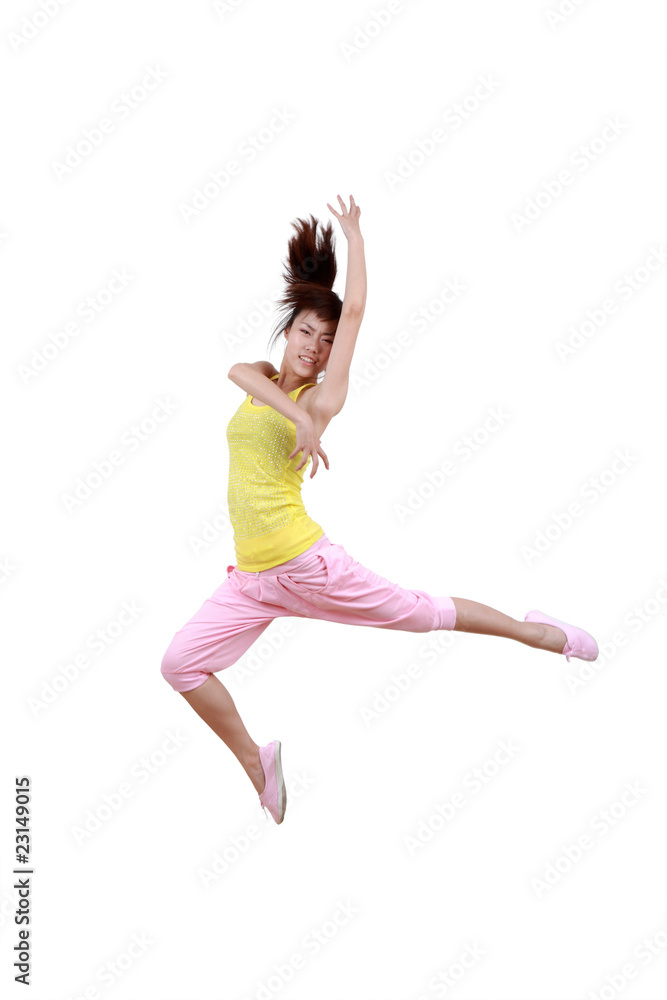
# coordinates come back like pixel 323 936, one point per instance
pixel 265 367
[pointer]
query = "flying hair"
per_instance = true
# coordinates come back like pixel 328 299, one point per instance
pixel 309 273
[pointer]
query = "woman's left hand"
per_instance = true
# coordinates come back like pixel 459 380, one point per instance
pixel 349 220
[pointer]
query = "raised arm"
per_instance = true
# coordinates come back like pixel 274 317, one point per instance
pixel 332 390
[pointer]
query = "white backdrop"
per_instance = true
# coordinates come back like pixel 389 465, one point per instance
pixel 509 161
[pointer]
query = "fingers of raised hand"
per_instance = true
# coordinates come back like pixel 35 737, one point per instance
pixel 355 211
pixel 345 211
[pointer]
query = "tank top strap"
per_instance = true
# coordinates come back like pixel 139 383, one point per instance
pixel 298 390
pixel 295 392
pixel 249 396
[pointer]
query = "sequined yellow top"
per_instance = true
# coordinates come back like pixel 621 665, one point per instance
pixel 264 494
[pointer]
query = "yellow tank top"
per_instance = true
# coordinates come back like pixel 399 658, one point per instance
pixel 264 495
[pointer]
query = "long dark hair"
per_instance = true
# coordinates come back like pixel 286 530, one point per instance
pixel 310 271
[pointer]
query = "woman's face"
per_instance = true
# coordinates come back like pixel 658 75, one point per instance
pixel 309 338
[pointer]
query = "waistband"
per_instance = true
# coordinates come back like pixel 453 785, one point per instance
pixel 290 564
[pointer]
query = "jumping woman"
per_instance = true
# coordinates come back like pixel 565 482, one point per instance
pixel 286 565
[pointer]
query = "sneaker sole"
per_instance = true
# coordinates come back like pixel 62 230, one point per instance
pixel 281 784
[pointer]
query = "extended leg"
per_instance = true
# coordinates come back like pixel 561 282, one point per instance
pixel 479 618
pixel 215 705
pixel 352 594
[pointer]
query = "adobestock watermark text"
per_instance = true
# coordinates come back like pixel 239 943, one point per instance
pixel 554 188
pixel 311 944
pixel 131 440
pixel 108 973
pixel 140 773
pixel 94 136
pixel 599 825
pixel 445 980
pixel 472 783
pixel 635 621
pixel 238 845
pixel 420 319
pixel 365 33
pixel 98 641
pixel 403 680
pixel 596 317
pixel 248 150
pixel 562 12
pixel 463 450
pixel 652 946
pixel 453 119
pixel 88 309
pixel 591 491
pixel 33 24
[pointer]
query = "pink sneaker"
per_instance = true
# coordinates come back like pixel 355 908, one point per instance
pixel 273 798
pixel 579 643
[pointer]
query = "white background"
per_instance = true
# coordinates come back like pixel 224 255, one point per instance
pixel 361 97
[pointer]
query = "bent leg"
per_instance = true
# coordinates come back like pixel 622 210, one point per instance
pixel 221 631
pixel 214 704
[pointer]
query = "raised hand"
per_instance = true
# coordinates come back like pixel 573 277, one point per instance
pixel 349 220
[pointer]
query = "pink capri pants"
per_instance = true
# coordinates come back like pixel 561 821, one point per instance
pixel 323 582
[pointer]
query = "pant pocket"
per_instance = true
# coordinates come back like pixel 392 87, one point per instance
pixel 311 576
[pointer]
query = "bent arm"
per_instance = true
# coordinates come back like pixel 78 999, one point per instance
pixel 332 391
pixel 248 377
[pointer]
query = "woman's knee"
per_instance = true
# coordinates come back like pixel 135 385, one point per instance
pixel 171 667
pixel 178 670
